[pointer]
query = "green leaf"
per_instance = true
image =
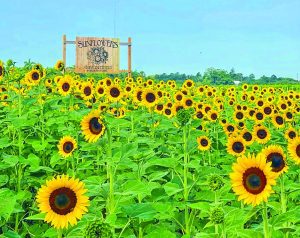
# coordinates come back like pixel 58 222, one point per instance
pixel 172 188
pixel 37 217
pixel 3 179
pixel 4 142
pixel 140 210
pixel 8 201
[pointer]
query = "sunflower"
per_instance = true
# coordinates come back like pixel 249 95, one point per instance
pixel 212 115
pixel 278 121
pixel 168 112
pixel 1 70
pixel 203 143
pixel 65 85
pixel 259 116
pixel 261 134
pixel 59 65
pixel 252 178
pixel 33 77
pixel 238 116
pixel 149 97
pixel 63 201
pixel 294 149
pixel 290 134
pixel 92 126
pixel 114 93
pixel 247 136
pixel 188 102
pixel 87 90
pixel 275 155
pixel 100 90
pixel 236 145
pixel 66 146
pixel 229 128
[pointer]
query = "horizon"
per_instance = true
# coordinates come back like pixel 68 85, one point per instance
pixel 259 37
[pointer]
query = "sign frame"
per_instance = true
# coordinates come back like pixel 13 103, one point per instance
pixel 128 44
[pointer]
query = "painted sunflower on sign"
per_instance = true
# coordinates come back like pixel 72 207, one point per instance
pixel 92 126
pixel 275 155
pixel 66 146
pixel 63 201
pixel 294 149
pixel 252 179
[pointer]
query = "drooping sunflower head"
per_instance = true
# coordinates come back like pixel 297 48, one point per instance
pixel 92 126
pixel 236 146
pixel 204 143
pixel 98 229
pixel 66 146
pixel 294 149
pixel 252 178
pixel 63 201
pixel 59 65
pixel 275 155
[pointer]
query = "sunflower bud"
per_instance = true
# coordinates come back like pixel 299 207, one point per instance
pixel 184 116
pixel 215 182
pixel 97 229
pixel 217 215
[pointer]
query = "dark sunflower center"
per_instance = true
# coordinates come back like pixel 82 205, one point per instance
pixel 114 92
pixel 189 84
pixel 168 111
pixel 239 115
pixel 179 108
pixel 259 116
pixel 230 128
pixel 1 70
pixel 261 133
pixel 237 147
pixel 267 110
pixel 277 161
pixel 159 107
pixel 87 91
pixel 100 90
pixel 279 120
pixel 283 106
pixel 179 97
pixel 292 134
pixel 94 126
pixel 66 87
pixel 214 116
pixel 298 150
pixel 139 95
pixel 254 180
pixel 150 97
pixel 247 136
pixel 159 93
pixel 35 76
pixel 68 147
pixel 204 142
pixel 260 103
pixel 62 200
pixel 251 113
pixel 189 102
pixel 108 82
pixel 199 115
pixel 289 115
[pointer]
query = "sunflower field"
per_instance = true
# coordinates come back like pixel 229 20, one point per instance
pixel 132 157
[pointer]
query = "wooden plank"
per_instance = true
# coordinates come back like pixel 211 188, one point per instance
pixel 64 39
pixel 129 57
pixel 97 55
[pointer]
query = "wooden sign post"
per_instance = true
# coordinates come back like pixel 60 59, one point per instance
pixel 98 54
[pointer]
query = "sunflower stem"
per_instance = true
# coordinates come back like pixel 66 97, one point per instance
pixel 265 220
pixel 185 180
pixel 59 233
pixel 110 173
pixel 282 195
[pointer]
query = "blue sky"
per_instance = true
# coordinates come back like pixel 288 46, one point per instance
pixel 255 36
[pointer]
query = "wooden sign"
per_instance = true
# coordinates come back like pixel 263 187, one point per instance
pixel 97 55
